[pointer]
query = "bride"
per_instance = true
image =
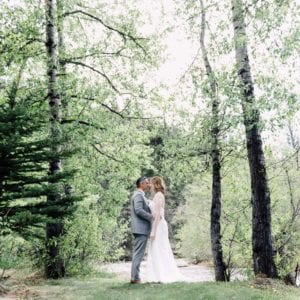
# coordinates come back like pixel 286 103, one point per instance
pixel 160 265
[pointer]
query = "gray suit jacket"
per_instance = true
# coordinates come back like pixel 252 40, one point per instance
pixel 141 216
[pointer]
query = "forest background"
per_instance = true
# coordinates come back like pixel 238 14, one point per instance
pixel 94 94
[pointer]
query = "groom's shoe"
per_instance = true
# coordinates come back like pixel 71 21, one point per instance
pixel 135 281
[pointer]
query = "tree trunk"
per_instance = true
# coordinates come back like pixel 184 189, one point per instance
pixel 68 190
pixel 215 227
pixel 54 264
pixel 61 57
pixel 261 211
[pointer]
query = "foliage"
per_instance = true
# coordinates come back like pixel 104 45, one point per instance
pixel 286 210
pixel 99 105
pixel 194 235
pixel 91 237
pixel 122 123
pixel 24 153
pixel 235 219
pixel 13 250
pixel 236 215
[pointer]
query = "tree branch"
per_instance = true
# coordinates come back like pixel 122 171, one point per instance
pixel 107 155
pixel 64 121
pixel 124 35
pixel 95 54
pixel 286 159
pixel 113 110
pixel 96 71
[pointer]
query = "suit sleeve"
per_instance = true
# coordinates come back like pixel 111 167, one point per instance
pixel 138 202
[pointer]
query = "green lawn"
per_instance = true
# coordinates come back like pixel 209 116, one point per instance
pixel 103 286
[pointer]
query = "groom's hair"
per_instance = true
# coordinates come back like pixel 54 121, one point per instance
pixel 140 180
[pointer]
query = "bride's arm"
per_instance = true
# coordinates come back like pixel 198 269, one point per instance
pixel 158 203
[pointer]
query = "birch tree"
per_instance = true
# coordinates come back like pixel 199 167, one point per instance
pixel 262 247
pixel 215 226
pixel 54 264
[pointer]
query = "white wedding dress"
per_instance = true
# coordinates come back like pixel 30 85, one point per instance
pixel 161 265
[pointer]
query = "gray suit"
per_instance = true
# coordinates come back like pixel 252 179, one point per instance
pixel 140 226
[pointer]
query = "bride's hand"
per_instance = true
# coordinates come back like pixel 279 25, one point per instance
pixel 152 236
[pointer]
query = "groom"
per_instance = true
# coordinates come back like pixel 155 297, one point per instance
pixel 141 219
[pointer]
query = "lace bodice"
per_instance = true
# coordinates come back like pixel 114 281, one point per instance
pixel 159 197
pixel 162 210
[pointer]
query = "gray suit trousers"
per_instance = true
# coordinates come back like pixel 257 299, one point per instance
pixel 139 247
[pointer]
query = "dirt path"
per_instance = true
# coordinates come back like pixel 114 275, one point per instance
pixel 193 273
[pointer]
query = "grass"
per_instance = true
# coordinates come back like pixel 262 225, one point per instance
pixel 106 286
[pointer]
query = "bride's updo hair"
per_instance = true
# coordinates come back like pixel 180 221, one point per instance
pixel 158 184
